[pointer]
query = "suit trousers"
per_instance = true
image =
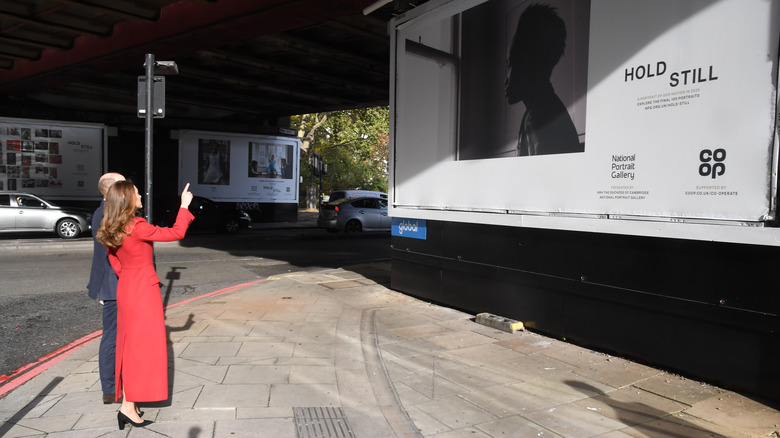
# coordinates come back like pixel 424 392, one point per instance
pixel 107 355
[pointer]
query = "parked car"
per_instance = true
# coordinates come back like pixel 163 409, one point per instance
pixel 209 215
pixel 25 212
pixel 353 215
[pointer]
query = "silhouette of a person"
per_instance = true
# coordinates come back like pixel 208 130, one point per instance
pixel 536 48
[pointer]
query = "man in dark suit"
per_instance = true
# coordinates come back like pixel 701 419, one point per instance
pixel 102 286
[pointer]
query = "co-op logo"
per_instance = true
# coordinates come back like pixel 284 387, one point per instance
pixel 407 226
pixel 713 163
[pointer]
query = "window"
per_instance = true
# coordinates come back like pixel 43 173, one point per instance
pixel 366 203
pixel 27 201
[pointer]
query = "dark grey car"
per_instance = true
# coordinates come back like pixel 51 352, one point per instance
pixel 25 212
pixel 354 215
pixel 209 215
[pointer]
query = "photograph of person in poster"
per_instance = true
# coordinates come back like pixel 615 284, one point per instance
pixel 537 46
pixel 531 100
pixel 286 169
pixel 214 162
pixel 254 170
pixel 272 170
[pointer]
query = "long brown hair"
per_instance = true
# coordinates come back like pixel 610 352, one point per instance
pixel 118 212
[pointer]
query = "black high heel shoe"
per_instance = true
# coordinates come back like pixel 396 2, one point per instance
pixel 122 420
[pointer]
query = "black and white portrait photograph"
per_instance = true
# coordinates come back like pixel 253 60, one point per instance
pixel 523 83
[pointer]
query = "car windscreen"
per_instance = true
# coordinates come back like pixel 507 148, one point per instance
pixel 5 200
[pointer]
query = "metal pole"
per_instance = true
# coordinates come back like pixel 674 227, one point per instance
pixel 149 118
pixel 319 192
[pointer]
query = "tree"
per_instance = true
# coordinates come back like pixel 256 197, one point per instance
pixel 354 144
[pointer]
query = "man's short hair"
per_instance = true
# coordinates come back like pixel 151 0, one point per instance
pixel 540 35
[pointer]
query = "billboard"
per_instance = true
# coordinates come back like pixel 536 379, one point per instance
pixel 56 160
pixel 231 167
pixel 588 115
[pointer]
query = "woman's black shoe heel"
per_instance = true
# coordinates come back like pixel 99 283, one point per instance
pixel 122 420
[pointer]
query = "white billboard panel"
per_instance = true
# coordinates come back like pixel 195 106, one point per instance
pixel 56 160
pixel 661 110
pixel 233 167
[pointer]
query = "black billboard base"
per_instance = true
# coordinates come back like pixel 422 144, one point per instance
pixel 701 309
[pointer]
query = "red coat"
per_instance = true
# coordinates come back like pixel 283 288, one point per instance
pixel 141 354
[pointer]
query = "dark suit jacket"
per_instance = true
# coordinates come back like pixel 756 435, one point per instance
pixel 102 278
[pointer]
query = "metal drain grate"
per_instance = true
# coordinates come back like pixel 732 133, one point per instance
pixel 321 423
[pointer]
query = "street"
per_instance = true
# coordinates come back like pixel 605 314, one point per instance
pixel 43 297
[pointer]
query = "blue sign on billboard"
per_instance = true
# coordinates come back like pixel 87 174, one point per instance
pixel 411 228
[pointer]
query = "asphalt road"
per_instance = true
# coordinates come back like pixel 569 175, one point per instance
pixel 43 298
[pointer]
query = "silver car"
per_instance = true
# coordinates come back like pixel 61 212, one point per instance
pixel 25 212
pixel 354 215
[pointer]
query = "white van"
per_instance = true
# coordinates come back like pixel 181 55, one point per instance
pixel 340 194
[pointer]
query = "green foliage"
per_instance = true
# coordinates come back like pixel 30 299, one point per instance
pixel 353 143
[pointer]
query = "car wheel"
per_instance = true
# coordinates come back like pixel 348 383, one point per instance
pixel 232 226
pixel 68 229
pixel 353 226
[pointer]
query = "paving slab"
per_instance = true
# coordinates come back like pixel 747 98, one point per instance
pixel 678 388
pixel 455 412
pixel 738 413
pixel 571 420
pixel 215 396
pixel 506 400
pixel 516 425
pixel 631 405
pixel 260 428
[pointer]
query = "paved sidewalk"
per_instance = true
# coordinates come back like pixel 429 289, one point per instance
pixel 336 353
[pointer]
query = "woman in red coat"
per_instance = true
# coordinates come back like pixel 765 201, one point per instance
pixel 141 354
